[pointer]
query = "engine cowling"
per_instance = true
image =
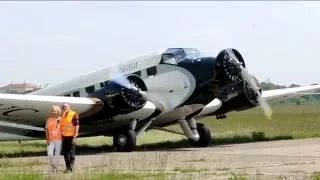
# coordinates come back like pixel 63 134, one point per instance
pixel 228 68
pixel 122 95
pixel 238 96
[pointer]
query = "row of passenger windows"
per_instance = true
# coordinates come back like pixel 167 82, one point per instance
pixel 90 89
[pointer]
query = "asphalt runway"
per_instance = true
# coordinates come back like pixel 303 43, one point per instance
pixel 294 159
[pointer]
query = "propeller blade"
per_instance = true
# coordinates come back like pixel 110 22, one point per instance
pixel 119 77
pixel 233 56
pixel 265 106
pixel 262 102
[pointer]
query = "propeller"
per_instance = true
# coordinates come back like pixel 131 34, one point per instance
pixel 249 78
pixel 123 81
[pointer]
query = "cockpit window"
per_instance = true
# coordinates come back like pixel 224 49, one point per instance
pixel 181 56
pixel 192 53
pixel 176 55
pixel 169 59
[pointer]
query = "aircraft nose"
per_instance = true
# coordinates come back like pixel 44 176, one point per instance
pixel 209 65
pixel 203 69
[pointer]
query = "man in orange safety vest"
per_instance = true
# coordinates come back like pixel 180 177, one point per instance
pixel 69 131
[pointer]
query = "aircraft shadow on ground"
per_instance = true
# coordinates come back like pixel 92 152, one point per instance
pixel 161 146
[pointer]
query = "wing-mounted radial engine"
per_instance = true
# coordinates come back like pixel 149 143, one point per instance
pixel 237 89
pixel 239 96
pixel 122 95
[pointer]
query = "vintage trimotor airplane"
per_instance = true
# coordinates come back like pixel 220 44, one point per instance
pixel 175 86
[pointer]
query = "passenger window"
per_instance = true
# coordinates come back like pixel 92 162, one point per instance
pixel 152 71
pixel 138 73
pixel 76 94
pixel 90 89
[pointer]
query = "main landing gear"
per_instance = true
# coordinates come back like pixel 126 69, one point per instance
pixel 205 136
pixel 126 141
pixel 198 134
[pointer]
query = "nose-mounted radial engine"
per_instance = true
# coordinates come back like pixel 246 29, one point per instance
pixel 229 68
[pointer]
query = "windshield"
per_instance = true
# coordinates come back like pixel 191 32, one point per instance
pixel 192 53
pixel 176 55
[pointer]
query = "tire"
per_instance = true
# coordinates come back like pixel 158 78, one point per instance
pixel 205 136
pixel 128 145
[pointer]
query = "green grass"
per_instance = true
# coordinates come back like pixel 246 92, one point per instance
pixel 296 121
pixel 238 177
pixel 288 122
pixel 92 175
pixel 87 175
pixel 23 148
pixel 315 176
pixel 179 173
pixel 5 176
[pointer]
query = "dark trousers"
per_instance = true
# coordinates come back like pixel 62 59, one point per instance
pixel 69 152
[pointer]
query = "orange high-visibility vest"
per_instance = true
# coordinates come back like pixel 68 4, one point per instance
pixel 67 128
pixel 53 130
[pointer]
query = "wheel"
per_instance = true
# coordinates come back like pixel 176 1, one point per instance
pixel 125 142
pixel 205 136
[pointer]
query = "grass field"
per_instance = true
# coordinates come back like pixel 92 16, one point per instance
pixel 288 122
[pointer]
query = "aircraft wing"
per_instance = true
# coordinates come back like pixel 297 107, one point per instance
pixel 281 94
pixel 22 116
pixel 34 109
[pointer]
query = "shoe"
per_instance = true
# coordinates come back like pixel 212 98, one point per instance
pixel 55 171
pixel 67 171
pixel 52 171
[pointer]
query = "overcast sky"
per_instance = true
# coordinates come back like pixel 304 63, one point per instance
pixel 49 42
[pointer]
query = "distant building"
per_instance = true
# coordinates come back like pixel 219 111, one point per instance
pixel 19 88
